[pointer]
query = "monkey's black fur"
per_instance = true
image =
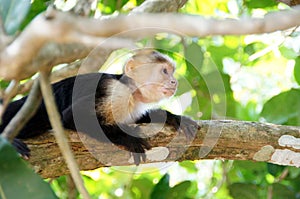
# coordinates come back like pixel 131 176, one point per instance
pixel 80 94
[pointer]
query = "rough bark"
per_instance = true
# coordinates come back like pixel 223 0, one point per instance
pixel 290 2
pixel 230 140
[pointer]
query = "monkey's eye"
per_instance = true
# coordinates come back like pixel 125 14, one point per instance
pixel 165 71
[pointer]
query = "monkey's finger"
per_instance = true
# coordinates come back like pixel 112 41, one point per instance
pixel 190 130
pixel 145 144
pixel 21 148
pixel 136 158
pixel 143 155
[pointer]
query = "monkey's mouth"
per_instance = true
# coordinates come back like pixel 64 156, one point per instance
pixel 168 91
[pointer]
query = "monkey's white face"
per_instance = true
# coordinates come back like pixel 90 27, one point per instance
pixel 155 81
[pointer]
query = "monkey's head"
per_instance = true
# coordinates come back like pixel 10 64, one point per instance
pixel 153 74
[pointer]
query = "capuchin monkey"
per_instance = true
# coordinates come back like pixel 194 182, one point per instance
pixel 104 105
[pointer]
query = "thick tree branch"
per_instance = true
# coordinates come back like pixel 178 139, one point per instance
pixel 59 27
pixel 236 140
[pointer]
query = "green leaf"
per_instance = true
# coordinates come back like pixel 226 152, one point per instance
pixel 281 191
pixel 294 172
pixel 194 56
pixel 111 6
pixel 162 188
pixel 275 170
pixel 297 70
pixel 260 3
pixel 247 112
pixel 13 13
pixel 288 52
pixel 143 186
pixel 247 171
pixel 283 108
pixel 17 179
pixel 189 166
pixel 243 190
pixel 167 44
pixel 179 191
pixel 218 53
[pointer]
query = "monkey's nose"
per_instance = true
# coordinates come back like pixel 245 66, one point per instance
pixel 173 82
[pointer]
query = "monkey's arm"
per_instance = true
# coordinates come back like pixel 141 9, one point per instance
pixel 181 123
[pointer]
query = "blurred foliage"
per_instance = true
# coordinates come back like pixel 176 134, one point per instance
pixel 17 179
pixel 250 77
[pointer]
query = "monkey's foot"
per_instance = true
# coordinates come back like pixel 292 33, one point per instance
pixel 137 148
pixel 131 139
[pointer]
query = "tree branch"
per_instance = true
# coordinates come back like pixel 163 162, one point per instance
pixel 59 133
pixel 59 27
pixel 8 94
pixel 235 140
pixel 25 113
pixel 290 2
pixel 94 62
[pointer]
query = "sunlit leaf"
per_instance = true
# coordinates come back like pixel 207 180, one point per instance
pixel 260 3
pixel 143 186
pixel 111 6
pixel 218 53
pixel 17 179
pixel 297 70
pixel 189 166
pixel 288 52
pixel 167 44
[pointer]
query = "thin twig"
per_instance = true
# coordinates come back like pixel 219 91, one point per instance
pixel 59 133
pixel 9 93
pixel 25 113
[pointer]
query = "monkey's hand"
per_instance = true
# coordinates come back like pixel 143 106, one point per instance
pixel 189 127
pixel 184 125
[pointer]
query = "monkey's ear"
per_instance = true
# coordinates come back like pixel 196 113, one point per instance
pixel 129 66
